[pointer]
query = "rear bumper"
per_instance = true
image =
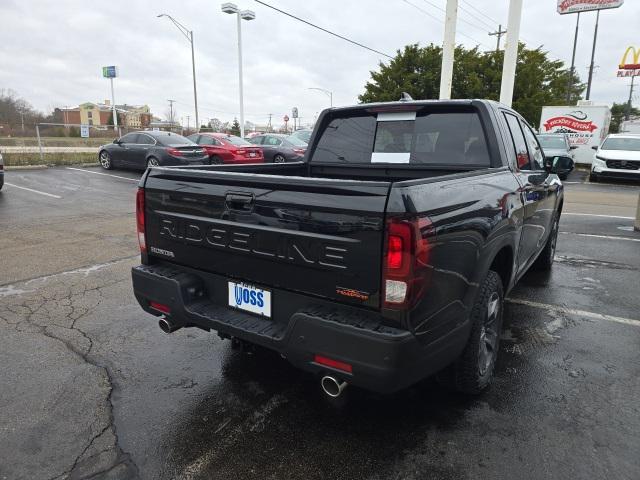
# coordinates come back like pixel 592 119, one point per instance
pixel 202 160
pixel 383 358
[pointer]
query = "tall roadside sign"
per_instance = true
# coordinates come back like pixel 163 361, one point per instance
pixel 579 6
pixel 111 72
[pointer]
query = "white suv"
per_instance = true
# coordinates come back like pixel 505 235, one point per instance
pixel 617 157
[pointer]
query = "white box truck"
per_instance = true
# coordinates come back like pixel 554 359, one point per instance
pixel 586 125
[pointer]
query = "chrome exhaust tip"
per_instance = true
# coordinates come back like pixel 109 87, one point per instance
pixel 168 327
pixel 332 386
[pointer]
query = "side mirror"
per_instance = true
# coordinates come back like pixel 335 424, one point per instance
pixel 573 147
pixel 116 141
pixel 594 147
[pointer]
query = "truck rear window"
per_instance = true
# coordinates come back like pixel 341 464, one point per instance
pixel 429 138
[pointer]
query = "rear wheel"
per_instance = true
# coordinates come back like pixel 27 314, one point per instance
pixel 105 160
pixel 216 160
pixel 472 372
pixel 279 159
pixel 152 162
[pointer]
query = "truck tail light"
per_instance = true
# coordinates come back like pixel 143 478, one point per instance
pixel 406 260
pixel 140 219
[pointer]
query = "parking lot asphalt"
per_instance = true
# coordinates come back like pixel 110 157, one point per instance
pixel 90 387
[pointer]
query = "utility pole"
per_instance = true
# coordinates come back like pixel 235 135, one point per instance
pixel 573 60
pixel 627 112
pixel 171 112
pixel 448 49
pixel 498 34
pixel 188 117
pixel 269 125
pixel 593 53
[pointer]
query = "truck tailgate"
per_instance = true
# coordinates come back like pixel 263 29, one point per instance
pixel 316 236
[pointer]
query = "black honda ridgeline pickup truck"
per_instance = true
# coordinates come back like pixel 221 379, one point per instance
pixel 383 258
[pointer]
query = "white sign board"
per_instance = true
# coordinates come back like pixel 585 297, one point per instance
pixel 575 6
pixel 84 131
pixel 586 126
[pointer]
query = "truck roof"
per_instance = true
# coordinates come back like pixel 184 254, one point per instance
pixel 419 103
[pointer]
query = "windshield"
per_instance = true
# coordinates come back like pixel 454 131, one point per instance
pixel 548 141
pixel 241 142
pixel 444 138
pixel 630 144
pixel 296 142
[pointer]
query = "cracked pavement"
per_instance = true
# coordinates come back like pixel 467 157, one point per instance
pixel 90 387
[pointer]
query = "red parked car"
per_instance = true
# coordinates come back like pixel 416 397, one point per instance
pixel 224 148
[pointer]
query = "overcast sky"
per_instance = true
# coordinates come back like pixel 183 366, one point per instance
pixel 51 53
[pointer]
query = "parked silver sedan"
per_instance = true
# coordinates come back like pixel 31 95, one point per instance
pixel 557 149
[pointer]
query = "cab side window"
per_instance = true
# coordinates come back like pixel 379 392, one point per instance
pixel 519 142
pixel 535 152
pixel 145 139
pixel 129 138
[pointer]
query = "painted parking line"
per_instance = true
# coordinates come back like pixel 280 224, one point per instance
pixel 105 174
pixel 33 191
pixel 573 311
pixel 607 237
pixel 596 215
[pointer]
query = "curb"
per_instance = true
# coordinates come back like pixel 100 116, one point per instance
pixel 43 166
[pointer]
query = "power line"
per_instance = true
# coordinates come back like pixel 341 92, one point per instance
pixel 460 19
pixel 439 20
pixel 471 14
pixel 493 20
pixel 324 29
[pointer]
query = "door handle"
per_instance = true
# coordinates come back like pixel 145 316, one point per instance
pixel 239 202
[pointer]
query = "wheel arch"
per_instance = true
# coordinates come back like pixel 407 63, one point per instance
pixel 503 265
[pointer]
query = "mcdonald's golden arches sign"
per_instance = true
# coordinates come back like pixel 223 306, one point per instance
pixel 630 63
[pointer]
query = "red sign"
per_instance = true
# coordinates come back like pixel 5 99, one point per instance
pixel 573 6
pixel 571 123
pixel 286 118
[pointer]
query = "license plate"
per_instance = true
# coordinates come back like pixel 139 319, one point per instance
pixel 252 154
pixel 249 298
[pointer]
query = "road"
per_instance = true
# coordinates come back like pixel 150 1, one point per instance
pixel 91 387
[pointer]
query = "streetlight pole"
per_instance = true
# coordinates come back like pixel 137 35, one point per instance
pixel 328 93
pixel 232 8
pixel 189 36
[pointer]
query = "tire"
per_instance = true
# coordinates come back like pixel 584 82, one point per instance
pixel 216 160
pixel 545 259
pixel 105 160
pixel 152 162
pixel 472 372
pixel 593 178
pixel 279 159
